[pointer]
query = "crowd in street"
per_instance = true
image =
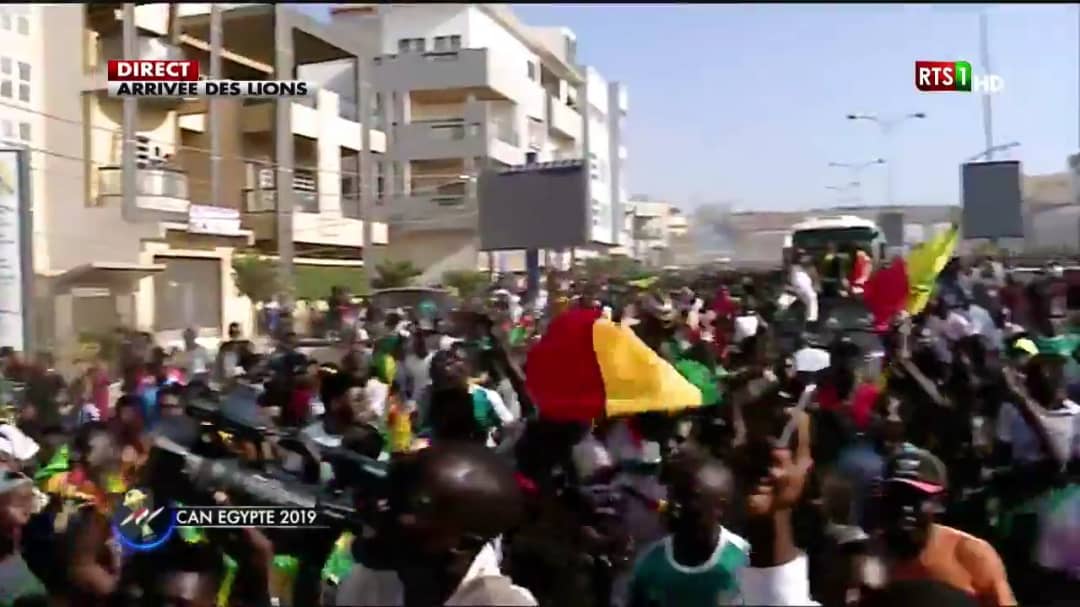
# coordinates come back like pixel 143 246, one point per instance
pixel 638 447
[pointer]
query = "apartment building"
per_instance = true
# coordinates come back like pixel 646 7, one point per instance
pixel 660 233
pixel 468 87
pixel 148 240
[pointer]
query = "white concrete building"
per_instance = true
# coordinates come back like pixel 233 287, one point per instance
pixel 465 87
pixel 660 234
pixel 108 254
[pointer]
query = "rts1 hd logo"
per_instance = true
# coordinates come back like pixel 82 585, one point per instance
pixel 933 76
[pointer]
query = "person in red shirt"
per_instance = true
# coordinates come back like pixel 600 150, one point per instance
pixel 843 390
pixel 919 548
pixel 861 267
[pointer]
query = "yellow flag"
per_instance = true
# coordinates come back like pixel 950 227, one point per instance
pixel 924 263
pixel 644 283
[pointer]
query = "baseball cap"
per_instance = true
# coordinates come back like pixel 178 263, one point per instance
pixel 918 468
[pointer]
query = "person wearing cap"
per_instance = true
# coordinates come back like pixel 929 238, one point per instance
pixel 919 548
pixel 1038 440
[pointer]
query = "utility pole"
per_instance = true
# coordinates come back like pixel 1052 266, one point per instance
pixel 214 118
pixel 988 111
pixel 283 154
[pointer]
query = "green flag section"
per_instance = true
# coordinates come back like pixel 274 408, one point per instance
pixel 703 379
pixel 57 464
pixel 1062 346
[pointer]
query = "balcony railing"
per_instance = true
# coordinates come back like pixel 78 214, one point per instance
pixel 156 188
pixel 265 201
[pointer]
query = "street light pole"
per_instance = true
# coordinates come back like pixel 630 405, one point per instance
pixel 988 111
pixel 856 169
pixel 887 126
pixel 988 153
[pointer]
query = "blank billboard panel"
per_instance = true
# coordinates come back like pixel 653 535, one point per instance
pixel 892 225
pixel 990 192
pixel 543 206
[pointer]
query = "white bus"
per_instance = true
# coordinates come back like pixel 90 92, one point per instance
pixel 813 235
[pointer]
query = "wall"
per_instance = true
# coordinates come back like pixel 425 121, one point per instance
pixel 599 144
pixel 28 48
pixel 194 157
pixel 436 111
pixel 509 54
pixel 71 232
pixel 425 21
pixel 426 249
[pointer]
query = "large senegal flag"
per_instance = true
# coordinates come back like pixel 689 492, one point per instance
pixel 924 263
pixel 586 367
pixel 906 284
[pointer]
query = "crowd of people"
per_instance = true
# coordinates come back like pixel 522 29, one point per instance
pixel 947 474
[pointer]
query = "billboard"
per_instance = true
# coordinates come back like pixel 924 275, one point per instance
pixel 892 226
pixel 990 193
pixel 537 206
pixel 16 268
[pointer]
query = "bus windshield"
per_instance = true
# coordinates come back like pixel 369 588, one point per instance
pixel 816 240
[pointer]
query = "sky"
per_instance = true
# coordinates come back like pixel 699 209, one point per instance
pixel 746 104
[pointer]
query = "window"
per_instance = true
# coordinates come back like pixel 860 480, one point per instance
pixel 5 89
pixel 24 131
pixel 530 157
pixel 412 45
pixel 531 70
pixel 24 71
pixel 24 25
pixel 24 92
pixel 5 21
pixel 9 129
pixel 447 43
pixel 5 65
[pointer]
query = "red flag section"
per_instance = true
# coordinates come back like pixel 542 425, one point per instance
pixel 886 293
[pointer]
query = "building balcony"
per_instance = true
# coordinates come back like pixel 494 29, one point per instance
pixel 265 201
pixel 316 117
pixel 479 134
pixel 432 212
pixel 435 139
pixel 343 228
pixel 470 71
pixel 162 189
pixel 564 120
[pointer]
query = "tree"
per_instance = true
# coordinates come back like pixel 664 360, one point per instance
pixel 394 274
pixel 467 283
pixel 256 277
pixel 616 269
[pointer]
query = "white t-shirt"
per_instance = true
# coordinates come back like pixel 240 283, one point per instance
pixel 1062 424
pixel 419 370
pixel 803 286
pixel 787 584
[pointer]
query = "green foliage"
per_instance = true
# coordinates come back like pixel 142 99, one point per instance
pixel 316 282
pixel 467 283
pixel 395 274
pixel 617 269
pixel 256 277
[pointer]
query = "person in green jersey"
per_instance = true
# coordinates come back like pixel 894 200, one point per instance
pixel 697 564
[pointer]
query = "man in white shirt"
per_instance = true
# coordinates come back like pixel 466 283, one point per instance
pixel 803 286
pixel 435 544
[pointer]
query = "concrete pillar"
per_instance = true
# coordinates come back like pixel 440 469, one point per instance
pixel 284 151
pixel 129 120
pixel 214 118
pixel 403 115
pixel 328 149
